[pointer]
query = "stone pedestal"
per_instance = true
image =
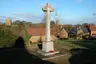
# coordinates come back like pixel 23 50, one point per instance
pixel 48 49
pixel 48 46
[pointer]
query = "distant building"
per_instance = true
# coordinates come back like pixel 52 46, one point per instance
pixel 88 30
pixel 79 30
pixel 59 31
pixel 37 33
pixel 63 33
pixel 92 29
pixel 8 22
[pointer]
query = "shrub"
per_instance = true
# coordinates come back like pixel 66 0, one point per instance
pixel 27 36
pixel 7 38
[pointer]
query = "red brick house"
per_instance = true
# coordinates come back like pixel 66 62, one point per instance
pixel 92 29
pixel 37 33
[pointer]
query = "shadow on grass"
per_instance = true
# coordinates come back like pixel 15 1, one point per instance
pixel 85 55
pixel 90 44
pixel 19 55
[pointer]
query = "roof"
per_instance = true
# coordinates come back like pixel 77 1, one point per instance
pixel 36 31
pixel 92 27
pixel 41 31
pixel 85 29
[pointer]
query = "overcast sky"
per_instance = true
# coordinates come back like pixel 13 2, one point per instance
pixel 68 11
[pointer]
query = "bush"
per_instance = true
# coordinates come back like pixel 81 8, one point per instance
pixel 27 36
pixel 7 38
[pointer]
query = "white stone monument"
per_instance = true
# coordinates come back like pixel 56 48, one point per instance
pixel 48 46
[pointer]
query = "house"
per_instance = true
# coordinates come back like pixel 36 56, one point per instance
pixel 92 29
pixel 37 33
pixel 78 31
pixel 85 30
pixel 73 32
pixel 63 33
pixel 59 31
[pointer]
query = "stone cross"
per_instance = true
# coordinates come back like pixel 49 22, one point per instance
pixel 48 44
pixel 47 9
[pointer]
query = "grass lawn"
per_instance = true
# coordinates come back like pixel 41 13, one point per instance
pixel 90 44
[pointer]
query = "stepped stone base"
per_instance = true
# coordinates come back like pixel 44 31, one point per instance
pixel 48 53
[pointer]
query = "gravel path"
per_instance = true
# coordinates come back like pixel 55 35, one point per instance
pixel 63 59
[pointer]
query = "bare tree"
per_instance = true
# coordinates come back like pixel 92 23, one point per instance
pixel 44 19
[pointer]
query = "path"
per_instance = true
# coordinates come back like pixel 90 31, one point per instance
pixel 58 59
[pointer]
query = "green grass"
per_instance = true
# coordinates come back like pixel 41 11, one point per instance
pixel 68 43
pixel 89 44
pixel 26 36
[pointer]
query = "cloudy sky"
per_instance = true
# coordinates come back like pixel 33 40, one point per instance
pixel 68 11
